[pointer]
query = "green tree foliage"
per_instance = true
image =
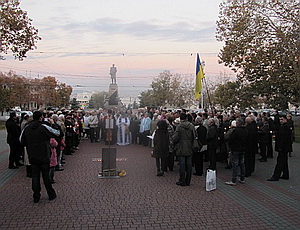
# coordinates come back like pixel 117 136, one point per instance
pixel 74 104
pixel 168 89
pixel 17 34
pixel 234 94
pixel 146 98
pixel 262 45
pixel 98 100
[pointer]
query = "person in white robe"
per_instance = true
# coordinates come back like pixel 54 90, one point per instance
pixel 123 123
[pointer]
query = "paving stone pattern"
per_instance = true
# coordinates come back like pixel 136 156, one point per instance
pixel 141 200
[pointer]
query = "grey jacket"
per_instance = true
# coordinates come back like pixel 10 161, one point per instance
pixel 183 139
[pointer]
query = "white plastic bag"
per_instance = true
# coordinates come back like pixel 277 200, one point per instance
pixel 211 180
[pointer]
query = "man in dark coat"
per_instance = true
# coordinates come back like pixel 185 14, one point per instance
pixel 183 140
pixel 13 134
pixel 36 137
pixel 198 156
pixel 251 149
pixel 282 146
pixel 212 143
pixel 238 144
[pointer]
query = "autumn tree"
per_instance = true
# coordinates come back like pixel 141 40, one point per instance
pixel 262 45
pixel 5 96
pixel 18 90
pixel 17 34
pixel 64 91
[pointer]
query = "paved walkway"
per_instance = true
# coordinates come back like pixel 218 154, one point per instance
pixel 141 200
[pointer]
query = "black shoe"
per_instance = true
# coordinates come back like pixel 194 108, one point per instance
pixel 59 169
pixel 29 175
pixel 53 182
pixel 284 178
pixel 13 167
pixel 36 200
pixel 272 179
pixel 19 164
pixel 180 183
pixel 52 197
pixel 160 174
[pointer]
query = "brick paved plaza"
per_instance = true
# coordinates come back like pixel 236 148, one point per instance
pixel 141 200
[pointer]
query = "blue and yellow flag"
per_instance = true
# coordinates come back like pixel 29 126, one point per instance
pixel 199 77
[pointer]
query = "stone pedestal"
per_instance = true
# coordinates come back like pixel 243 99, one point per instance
pixel 113 99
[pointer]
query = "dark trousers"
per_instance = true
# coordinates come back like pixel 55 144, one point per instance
pixel 14 155
pixel 249 162
pixel 170 160
pixel 263 150
pixel 68 142
pixel 198 162
pixel 185 169
pixel 37 169
pixel 92 134
pixel 98 133
pixel 134 137
pixel 281 166
pixel 144 139
pixel 212 158
pixel 161 165
pixel 269 146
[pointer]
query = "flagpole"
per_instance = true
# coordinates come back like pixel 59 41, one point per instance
pixel 209 101
pixel 208 95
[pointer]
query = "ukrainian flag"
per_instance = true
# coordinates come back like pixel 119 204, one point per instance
pixel 199 77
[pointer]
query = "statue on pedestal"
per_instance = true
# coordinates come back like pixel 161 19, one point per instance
pixel 113 74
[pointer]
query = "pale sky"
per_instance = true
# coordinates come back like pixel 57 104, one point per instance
pixel 82 39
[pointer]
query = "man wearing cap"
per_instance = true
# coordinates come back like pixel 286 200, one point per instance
pixel 36 137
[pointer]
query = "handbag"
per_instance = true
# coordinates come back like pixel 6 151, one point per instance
pixel 211 180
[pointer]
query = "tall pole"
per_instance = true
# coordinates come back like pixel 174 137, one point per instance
pixel 208 96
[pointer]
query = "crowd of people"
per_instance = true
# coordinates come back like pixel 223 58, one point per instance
pixel 41 141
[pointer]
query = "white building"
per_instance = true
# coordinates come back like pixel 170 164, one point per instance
pixel 83 99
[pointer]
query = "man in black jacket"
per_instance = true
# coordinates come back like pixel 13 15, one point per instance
pixel 252 149
pixel 212 143
pixel 198 156
pixel 13 134
pixel 237 143
pixel 282 146
pixel 36 137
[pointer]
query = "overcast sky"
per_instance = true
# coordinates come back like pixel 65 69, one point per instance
pixel 82 39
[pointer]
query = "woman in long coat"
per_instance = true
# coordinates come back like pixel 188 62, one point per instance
pixel 161 147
